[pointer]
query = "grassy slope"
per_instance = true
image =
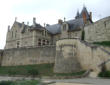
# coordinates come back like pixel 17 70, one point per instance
pixel 26 82
pixel 43 69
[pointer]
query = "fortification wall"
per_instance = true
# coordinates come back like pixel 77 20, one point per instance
pixel 98 31
pixel 75 55
pixel 25 56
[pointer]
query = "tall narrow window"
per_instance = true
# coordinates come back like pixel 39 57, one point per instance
pixel 39 42
pixel 43 42
pixel 47 42
pixel 18 44
pixel 12 34
pixel 15 34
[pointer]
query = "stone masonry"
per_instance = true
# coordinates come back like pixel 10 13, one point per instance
pixel 73 55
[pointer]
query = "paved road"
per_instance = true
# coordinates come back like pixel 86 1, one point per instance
pixel 81 81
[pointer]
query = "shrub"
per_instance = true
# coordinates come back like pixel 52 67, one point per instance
pixel 103 43
pixel 104 74
pixel 33 72
pixel 6 83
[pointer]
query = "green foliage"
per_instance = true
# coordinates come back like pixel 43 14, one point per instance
pixel 104 74
pixel 26 82
pixel 39 69
pixel 6 83
pixel 83 35
pixel 103 43
pixel 33 72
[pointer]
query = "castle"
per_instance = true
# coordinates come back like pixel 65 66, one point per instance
pixel 67 44
pixel 21 35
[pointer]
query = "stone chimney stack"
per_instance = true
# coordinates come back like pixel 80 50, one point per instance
pixel 90 15
pixel 15 19
pixel 60 21
pixel 27 23
pixel 34 21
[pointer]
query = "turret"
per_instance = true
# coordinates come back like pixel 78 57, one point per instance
pixel 77 15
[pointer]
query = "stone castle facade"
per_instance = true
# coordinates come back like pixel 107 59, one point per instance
pixel 22 35
pixel 67 44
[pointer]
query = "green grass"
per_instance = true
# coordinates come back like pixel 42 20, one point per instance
pixel 103 43
pixel 24 82
pixel 34 70
pixel 42 69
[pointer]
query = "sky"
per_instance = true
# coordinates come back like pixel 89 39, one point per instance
pixel 46 11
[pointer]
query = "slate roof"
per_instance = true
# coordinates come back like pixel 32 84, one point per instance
pixel 54 29
pixel 37 27
pixel 74 25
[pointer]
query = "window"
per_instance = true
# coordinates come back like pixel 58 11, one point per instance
pixel 15 34
pixel 105 24
pixel 39 42
pixel 47 42
pixel 43 42
pixel 12 34
pixel 18 44
pixel 64 27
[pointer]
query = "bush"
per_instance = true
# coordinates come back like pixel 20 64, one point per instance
pixel 104 74
pixel 33 72
pixel 6 83
pixel 103 43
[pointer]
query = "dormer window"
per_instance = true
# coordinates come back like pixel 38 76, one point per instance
pixel 64 27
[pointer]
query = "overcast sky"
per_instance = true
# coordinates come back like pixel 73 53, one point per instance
pixel 46 11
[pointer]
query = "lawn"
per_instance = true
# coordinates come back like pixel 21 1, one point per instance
pixel 23 82
pixel 38 70
pixel 41 69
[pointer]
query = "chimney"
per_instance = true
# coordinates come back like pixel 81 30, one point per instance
pixel 34 20
pixel 60 21
pixel 44 24
pixel 15 19
pixel 90 15
pixel 8 28
pixel 27 23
